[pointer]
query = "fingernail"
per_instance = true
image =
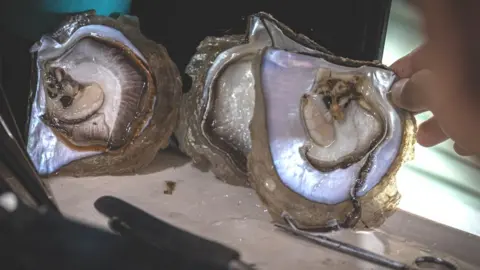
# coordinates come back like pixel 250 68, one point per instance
pixel 406 95
pixel 424 138
pixel 397 89
pixel 462 151
pixel 421 137
pixel 430 133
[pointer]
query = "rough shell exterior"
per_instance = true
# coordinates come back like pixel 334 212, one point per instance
pixel 189 133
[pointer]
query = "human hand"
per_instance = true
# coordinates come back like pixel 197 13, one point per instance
pixel 443 75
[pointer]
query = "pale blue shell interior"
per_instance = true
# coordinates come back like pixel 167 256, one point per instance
pixel 48 153
pixel 285 77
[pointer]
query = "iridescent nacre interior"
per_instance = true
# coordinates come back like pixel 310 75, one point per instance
pixel 233 105
pixel 326 140
pixel 105 98
pixel 364 141
pixel 86 61
pixel 94 92
pixel 218 108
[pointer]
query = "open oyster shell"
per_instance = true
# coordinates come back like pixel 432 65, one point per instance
pixel 105 99
pixel 326 141
pixel 217 110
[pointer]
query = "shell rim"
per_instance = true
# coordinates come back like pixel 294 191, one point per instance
pixel 206 104
pixel 273 203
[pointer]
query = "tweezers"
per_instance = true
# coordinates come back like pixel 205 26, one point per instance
pixel 360 253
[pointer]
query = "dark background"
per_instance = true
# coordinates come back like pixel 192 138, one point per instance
pixel 350 28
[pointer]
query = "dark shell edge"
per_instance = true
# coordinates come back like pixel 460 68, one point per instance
pixel 377 205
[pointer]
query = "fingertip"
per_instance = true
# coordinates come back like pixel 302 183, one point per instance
pixel 462 151
pixel 406 95
pixel 402 67
pixel 409 64
pixel 397 90
pixel 430 133
pixel 422 138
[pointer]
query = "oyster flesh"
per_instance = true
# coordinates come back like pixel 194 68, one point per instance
pixel 105 99
pixel 326 141
pixel 217 110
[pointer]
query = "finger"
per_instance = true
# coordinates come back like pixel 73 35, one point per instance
pixel 461 151
pixel 409 94
pixel 404 95
pixel 430 133
pixel 411 63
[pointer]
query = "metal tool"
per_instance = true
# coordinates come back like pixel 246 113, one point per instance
pixel 13 154
pixel 34 238
pixel 42 237
pixel 150 243
pixel 321 239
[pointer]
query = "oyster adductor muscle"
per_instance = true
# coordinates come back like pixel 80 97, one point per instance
pixel 217 110
pixel 104 100
pixel 326 140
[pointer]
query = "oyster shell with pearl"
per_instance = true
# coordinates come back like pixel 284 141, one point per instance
pixel 326 141
pixel 105 98
pixel 217 110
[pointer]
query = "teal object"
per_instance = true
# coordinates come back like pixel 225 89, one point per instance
pixel 30 19
pixel 103 7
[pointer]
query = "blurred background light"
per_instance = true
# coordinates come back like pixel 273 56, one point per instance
pixel 438 185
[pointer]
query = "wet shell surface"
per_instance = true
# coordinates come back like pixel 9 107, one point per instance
pixel 326 141
pixel 216 111
pixel 105 99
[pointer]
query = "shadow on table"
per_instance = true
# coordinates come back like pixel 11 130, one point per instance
pixel 165 159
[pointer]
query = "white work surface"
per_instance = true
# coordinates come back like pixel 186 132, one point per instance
pixel 234 216
pixel 437 185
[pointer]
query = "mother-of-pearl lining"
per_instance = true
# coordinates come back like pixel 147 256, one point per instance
pixel 51 154
pixel 287 76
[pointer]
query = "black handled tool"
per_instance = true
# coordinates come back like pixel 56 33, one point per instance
pixel 41 238
pixel 44 239
pixel 131 222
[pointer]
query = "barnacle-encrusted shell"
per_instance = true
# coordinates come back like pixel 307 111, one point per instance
pixel 326 141
pixel 105 99
pixel 217 110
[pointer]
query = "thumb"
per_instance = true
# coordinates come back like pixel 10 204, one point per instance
pixel 411 63
pixel 410 93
